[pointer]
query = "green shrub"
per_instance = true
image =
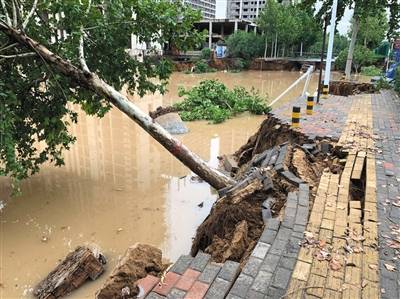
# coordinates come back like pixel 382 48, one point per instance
pixel 397 80
pixel 371 70
pixel 201 66
pixel 362 57
pixel 206 53
pixel 382 83
pixel 246 45
pixel 213 101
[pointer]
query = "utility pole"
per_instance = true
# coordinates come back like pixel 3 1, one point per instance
pixel 325 90
pixel 322 59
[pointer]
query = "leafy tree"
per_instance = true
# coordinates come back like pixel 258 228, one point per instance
pixel 278 21
pixel 373 29
pixel 58 52
pixel 246 45
pixel 362 9
pixel 340 42
pixel 362 57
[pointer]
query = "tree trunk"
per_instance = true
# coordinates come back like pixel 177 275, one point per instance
pixel 276 43
pixel 349 62
pixel 79 266
pixel 92 82
pixel 266 47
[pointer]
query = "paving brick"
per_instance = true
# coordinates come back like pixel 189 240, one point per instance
pixel 351 292
pixel 301 216
pixel 187 280
pixel 273 224
pixel 241 285
pixel 353 276
pixel 209 273
pixel 198 291
pixel 284 233
pixel 176 294
pixel 278 246
pixel 318 285
pixel 181 264
pixel 230 296
pixel 268 236
pixel 288 221
pixel 153 295
pixel 262 282
pixel 254 295
pixel 302 271
pixel 260 250
pixel 218 289
pixel 282 278
pixel 147 284
pixel 275 293
pixel 229 270
pixel 170 280
pixel 200 261
pixel 252 266
pixel 299 228
pixel 331 294
pixel 371 290
pixel 270 263
pixel 287 263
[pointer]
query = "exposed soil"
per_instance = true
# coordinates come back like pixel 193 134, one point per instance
pixel 233 228
pixel 346 88
pixel 138 261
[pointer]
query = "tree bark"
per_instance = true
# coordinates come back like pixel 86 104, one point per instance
pixel 349 62
pixel 79 266
pixel 92 82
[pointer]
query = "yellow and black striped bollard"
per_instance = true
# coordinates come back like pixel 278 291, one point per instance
pixel 310 105
pixel 295 117
pixel 325 91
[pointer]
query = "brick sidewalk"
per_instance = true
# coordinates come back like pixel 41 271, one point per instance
pixel 328 119
pixel 339 255
pixel 386 107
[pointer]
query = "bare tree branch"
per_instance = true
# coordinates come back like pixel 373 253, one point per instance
pixel 14 14
pixel 6 12
pixel 28 54
pixel 30 14
pixel 82 53
pixel 8 47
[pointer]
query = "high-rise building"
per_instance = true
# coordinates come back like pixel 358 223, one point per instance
pixel 207 7
pixel 248 9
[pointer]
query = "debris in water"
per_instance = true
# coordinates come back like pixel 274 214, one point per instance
pixel 200 205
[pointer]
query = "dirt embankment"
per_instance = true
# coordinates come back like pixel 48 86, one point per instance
pixel 285 157
pixel 347 88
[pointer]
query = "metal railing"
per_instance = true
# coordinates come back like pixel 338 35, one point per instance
pixel 306 75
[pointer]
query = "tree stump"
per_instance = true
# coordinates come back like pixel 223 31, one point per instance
pixel 80 265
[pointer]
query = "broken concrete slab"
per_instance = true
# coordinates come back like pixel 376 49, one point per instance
pixel 173 123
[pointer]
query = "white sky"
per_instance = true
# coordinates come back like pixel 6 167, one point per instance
pixel 343 26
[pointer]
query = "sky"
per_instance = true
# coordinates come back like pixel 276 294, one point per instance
pixel 343 26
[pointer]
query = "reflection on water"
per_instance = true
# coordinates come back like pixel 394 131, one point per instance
pixel 119 187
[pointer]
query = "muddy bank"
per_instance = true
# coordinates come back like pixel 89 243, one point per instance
pixel 347 88
pixel 286 158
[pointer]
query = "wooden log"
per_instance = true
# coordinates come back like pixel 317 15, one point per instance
pixel 78 266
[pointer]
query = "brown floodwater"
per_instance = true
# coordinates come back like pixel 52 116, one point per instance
pixel 119 187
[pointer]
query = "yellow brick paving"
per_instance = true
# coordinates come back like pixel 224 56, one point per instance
pixel 334 215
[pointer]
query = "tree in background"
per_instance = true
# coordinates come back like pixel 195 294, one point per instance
pixel 246 45
pixel 362 57
pixel 58 52
pixel 362 9
pixel 373 30
pixel 278 22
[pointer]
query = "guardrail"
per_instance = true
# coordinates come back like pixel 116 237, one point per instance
pixel 306 75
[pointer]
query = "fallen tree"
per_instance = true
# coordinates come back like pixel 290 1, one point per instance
pixel 34 96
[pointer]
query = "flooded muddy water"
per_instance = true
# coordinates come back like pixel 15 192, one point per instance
pixel 119 187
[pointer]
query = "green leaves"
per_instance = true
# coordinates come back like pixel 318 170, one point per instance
pixel 213 101
pixel 35 98
pixel 246 45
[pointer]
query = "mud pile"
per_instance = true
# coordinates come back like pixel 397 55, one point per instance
pixel 346 88
pixel 274 162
